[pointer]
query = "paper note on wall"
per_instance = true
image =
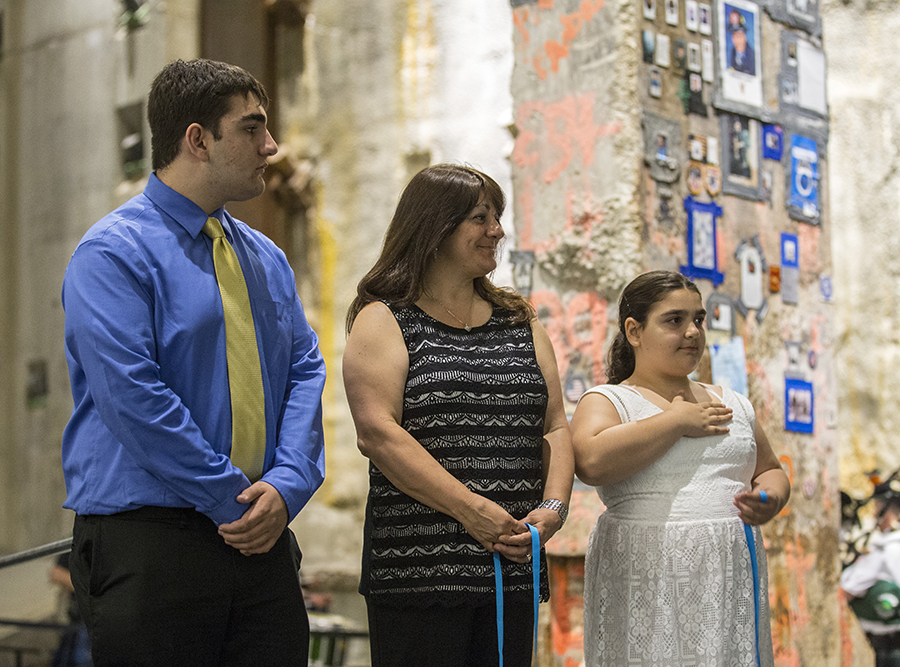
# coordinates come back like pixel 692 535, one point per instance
pixel 729 365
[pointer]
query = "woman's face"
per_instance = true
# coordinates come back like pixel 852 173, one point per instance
pixel 472 247
pixel 673 338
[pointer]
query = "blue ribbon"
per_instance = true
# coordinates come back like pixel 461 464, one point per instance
pixel 751 544
pixel 536 580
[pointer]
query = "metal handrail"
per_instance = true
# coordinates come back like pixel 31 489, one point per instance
pixel 23 557
pixel 38 552
pixel 33 625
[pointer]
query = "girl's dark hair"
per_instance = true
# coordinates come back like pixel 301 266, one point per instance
pixel 636 301
pixel 432 206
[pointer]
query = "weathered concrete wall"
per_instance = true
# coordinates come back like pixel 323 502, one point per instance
pixel 864 96
pixel 596 205
pixel 65 71
pixel 863 152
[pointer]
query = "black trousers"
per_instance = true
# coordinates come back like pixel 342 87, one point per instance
pixel 887 649
pixel 158 586
pixel 450 636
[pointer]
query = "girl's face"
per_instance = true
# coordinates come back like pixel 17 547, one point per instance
pixel 673 338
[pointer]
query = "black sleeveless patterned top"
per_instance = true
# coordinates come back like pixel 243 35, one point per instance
pixel 476 401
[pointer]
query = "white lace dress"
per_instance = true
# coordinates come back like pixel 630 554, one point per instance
pixel 668 574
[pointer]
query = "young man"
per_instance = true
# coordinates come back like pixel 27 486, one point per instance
pixel 196 434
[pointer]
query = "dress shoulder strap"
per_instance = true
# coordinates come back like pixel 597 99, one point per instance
pixel 620 396
pixel 742 401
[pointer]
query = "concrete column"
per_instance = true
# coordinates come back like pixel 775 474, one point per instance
pixel 597 201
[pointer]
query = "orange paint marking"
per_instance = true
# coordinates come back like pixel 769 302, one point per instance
pixel 808 240
pixel 846 640
pixel 570 207
pixel 586 329
pixel 789 464
pixel 520 16
pixel 798 563
pixel 563 123
pixel 576 330
pixel 554 324
pixel 555 52
pixel 557 49
pixel 541 72
pixel 787 616
pixel 566 638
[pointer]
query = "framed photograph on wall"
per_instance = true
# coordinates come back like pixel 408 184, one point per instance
pixel 702 249
pixel 803 192
pixel 720 313
pixel 741 156
pixel 694 59
pixel 663 50
pixel 740 52
pixel 691 15
pixel 799 405
pixel 672 12
pixel 704 18
pixel 662 147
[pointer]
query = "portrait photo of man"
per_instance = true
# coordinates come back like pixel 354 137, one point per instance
pixel 741 55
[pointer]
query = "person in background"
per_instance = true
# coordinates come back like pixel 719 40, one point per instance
pixel 674 573
pixel 454 390
pixel 196 434
pixel 872 583
pixel 74 648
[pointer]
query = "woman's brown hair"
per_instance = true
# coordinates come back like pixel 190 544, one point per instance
pixel 432 206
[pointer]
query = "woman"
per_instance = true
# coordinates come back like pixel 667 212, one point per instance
pixel 454 390
pixel 671 571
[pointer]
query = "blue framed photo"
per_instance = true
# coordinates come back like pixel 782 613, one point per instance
pixel 773 142
pixel 790 251
pixel 702 249
pixel 799 404
pixel 803 197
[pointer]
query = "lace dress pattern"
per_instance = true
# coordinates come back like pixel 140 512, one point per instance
pixel 476 401
pixel 668 575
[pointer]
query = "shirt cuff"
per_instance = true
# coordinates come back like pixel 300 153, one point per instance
pixel 227 512
pixel 295 489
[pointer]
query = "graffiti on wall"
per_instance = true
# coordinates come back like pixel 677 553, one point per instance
pixel 576 324
pixel 562 124
pixel 546 57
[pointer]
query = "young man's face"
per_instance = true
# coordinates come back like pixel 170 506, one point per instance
pixel 238 160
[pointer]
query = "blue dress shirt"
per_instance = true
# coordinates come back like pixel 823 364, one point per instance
pixel 145 344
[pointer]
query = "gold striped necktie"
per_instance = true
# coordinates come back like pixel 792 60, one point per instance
pixel 248 414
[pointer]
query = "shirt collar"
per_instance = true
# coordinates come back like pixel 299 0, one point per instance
pixel 178 207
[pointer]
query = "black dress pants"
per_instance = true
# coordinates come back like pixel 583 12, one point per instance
pixel 459 636
pixel 158 586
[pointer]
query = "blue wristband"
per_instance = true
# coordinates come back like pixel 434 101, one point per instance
pixel 763 496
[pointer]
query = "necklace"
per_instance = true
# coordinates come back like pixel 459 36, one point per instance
pixel 450 312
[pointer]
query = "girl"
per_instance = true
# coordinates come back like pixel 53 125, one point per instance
pixel 675 575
